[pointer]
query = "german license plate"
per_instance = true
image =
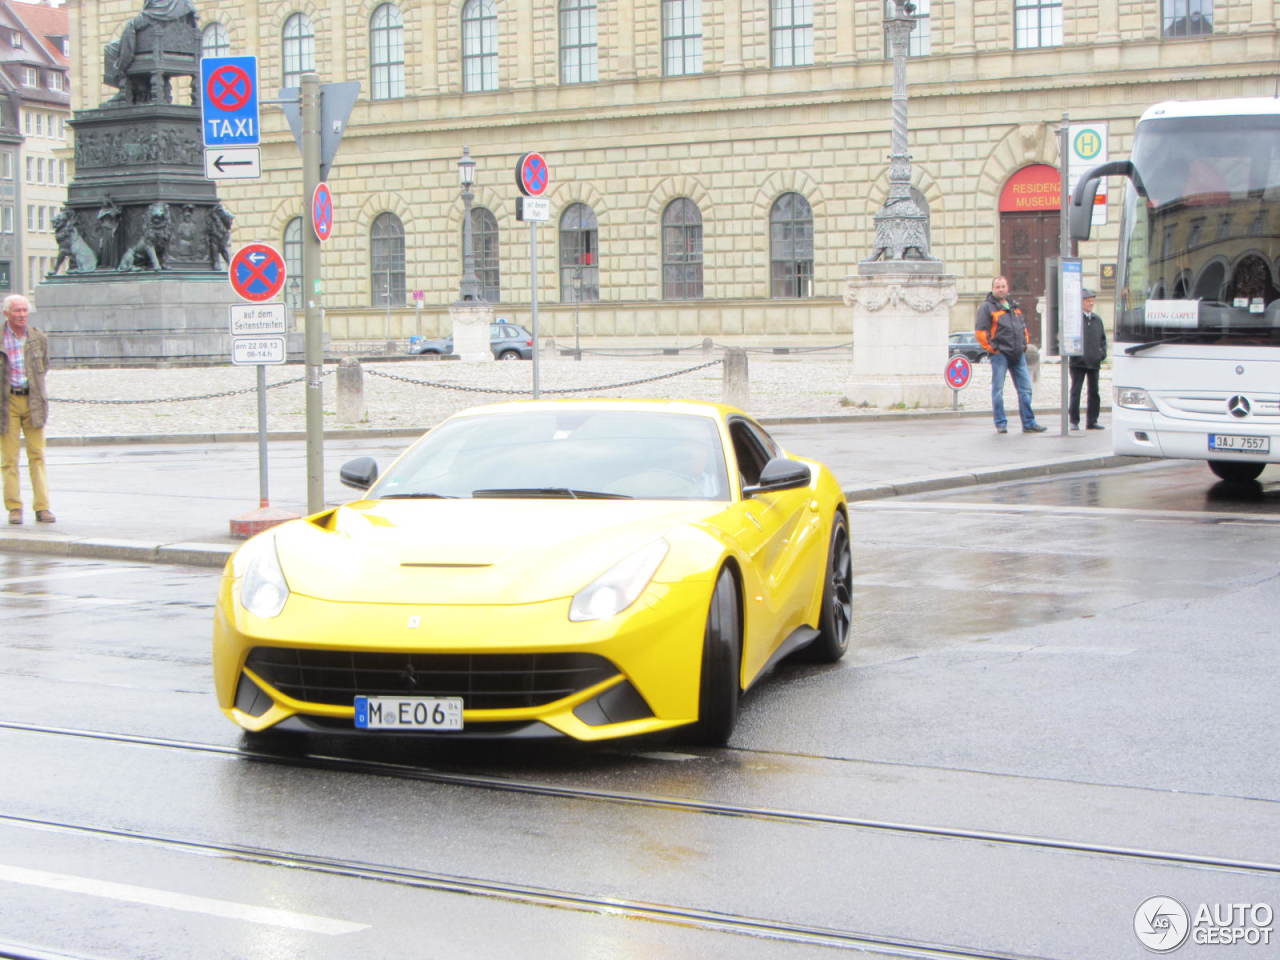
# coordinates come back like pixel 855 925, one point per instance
pixel 409 713
pixel 1239 444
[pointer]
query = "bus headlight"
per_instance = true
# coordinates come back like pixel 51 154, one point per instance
pixel 1133 398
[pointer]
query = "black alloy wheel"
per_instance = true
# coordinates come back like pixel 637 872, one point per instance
pixel 837 600
pixel 1236 471
pixel 719 691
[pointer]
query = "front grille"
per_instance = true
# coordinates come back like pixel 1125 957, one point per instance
pixel 494 681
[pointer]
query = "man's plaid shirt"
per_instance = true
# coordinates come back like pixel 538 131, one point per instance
pixel 14 347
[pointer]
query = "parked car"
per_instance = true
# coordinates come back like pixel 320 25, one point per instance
pixel 965 344
pixel 581 569
pixel 508 341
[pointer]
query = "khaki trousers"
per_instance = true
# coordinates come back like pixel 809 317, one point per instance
pixel 20 425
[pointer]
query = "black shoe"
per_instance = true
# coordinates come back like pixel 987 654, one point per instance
pixel 998 430
pixel 1034 428
pixel 1096 426
pixel 1075 426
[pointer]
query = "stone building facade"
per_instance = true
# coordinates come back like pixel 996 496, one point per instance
pixel 720 161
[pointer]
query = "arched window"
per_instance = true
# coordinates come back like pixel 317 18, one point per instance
pixel 299 49
pixel 579 267
pixel 214 41
pixel 293 262
pixel 577 41
pixel 386 52
pixel 791 247
pixel 484 239
pixel 791 32
pixel 387 246
pixel 681 37
pixel 479 46
pixel 682 250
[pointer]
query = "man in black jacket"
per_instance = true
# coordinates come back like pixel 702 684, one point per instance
pixel 1085 366
pixel 1002 331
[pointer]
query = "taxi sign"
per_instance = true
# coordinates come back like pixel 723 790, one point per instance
pixel 229 101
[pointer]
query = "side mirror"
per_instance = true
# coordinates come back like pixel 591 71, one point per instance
pixel 779 474
pixel 359 473
pixel 1080 211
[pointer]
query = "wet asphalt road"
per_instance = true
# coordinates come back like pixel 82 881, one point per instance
pixel 1061 702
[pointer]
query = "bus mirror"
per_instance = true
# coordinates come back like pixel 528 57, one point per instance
pixel 1080 212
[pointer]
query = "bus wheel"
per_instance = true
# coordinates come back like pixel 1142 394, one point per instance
pixel 1236 471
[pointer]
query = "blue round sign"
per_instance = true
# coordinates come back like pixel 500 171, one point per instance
pixel 322 212
pixel 532 174
pixel 958 372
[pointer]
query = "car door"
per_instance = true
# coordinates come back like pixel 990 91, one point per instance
pixel 776 533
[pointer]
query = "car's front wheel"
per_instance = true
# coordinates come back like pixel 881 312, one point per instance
pixel 1236 471
pixel 721 662
pixel 837 599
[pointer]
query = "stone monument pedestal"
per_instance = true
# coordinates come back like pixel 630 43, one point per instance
pixel 122 318
pixel 901 317
pixel 471 319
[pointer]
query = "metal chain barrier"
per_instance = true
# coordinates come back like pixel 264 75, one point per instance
pixel 609 386
pixel 203 396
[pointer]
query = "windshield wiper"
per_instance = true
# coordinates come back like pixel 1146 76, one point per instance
pixel 549 492
pixel 1180 338
pixel 418 496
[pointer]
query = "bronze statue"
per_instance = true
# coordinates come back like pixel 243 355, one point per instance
pixel 220 237
pixel 160 42
pixel 72 248
pixel 151 249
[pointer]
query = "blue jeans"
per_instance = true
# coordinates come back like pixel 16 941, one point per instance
pixel 1017 367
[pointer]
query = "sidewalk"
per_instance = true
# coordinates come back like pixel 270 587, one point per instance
pixel 171 499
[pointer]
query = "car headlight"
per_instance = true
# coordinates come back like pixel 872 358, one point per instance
pixel 619 586
pixel 1133 398
pixel 263 588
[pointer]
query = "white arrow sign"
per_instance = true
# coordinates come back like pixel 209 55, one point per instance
pixel 232 163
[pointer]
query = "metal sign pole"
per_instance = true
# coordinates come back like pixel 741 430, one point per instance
pixel 311 296
pixel 533 297
pixel 263 495
pixel 1064 251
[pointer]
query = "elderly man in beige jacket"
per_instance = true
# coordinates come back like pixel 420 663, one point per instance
pixel 24 360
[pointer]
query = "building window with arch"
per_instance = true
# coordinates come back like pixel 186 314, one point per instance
pixel 791 32
pixel 214 41
pixel 682 250
pixel 578 41
pixel 920 40
pixel 681 37
pixel 299 49
pixel 479 46
pixel 386 238
pixel 791 247
pixel 1037 23
pixel 1187 18
pixel 579 245
pixel 386 52
pixel 484 245
pixel 293 262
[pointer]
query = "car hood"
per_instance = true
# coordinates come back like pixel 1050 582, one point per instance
pixel 482 551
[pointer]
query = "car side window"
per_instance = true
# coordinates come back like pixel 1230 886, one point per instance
pixel 748 450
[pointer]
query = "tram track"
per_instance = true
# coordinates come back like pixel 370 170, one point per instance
pixel 706 807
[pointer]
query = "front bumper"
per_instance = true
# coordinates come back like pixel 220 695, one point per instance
pixel 651 654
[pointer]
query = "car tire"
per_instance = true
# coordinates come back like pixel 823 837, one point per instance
pixel 1236 471
pixel 429 353
pixel 836 622
pixel 719 691
pixel 509 355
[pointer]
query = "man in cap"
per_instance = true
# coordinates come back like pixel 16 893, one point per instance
pixel 1085 366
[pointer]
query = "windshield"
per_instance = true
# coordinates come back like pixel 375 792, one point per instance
pixel 1200 236
pixel 570 454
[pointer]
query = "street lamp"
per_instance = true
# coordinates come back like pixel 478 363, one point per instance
pixel 470 288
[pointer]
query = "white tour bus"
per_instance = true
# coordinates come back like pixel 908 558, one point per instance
pixel 1196 350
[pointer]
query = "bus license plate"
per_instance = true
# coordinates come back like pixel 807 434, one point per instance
pixel 1239 444
pixel 409 713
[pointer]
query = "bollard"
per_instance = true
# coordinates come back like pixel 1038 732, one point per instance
pixel 707 346
pixel 1033 362
pixel 351 407
pixel 736 388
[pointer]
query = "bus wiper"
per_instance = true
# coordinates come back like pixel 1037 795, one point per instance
pixel 1139 347
pixel 566 493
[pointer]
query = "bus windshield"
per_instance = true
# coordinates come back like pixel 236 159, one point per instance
pixel 1200 234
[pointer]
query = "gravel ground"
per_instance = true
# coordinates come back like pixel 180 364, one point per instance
pixel 177 401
